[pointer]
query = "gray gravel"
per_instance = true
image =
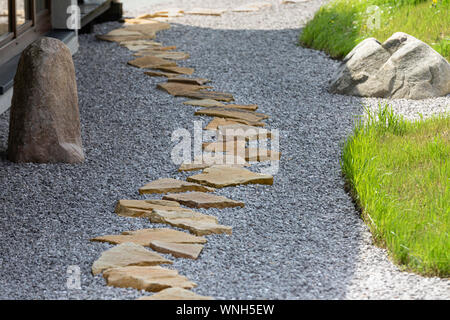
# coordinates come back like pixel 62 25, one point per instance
pixel 298 239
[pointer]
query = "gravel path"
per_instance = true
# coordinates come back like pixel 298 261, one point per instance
pixel 298 239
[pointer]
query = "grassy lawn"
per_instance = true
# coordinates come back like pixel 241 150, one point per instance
pixel 399 174
pixel 342 24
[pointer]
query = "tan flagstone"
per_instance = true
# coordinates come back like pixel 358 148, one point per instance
pixel 161 74
pixel 143 237
pixel 136 21
pixel 157 49
pixel 178 250
pixel 214 95
pixel 204 103
pixel 171 55
pixel 200 227
pixel 136 45
pixel 179 70
pixel 200 163
pixel 127 254
pixel 151 62
pixel 223 112
pixel 203 200
pixel 120 35
pixel 216 122
pixel 232 146
pixel 197 81
pixel 175 294
pixel 248 107
pixel 167 185
pixel 164 13
pixel 149 28
pixel 257 154
pixel 176 88
pixel 250 133
pixel 227 176
pixel 151 279
pixel 206 12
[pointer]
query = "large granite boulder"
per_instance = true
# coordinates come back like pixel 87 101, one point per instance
pixel 401 67
pixel 45 122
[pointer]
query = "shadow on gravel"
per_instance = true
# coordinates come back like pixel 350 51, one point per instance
pixel 297 239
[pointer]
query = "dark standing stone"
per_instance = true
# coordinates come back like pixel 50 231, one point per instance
pixel 45 121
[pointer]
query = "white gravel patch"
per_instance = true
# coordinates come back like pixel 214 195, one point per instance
pixel 298 239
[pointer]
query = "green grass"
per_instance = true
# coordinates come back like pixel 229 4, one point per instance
pixel 399 175
pixel 339 26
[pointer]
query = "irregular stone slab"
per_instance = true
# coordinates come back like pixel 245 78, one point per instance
pixel 44 117
pixel 149 28
pixel 216 122
pixel 151 62
pixel 214 95
pixel 175 294
pixel 203 200
pixel 158 213
pixel 232 146
pixel 206 12
pixel 165 13
pixel 249 133
pixel 200 227
pixel 167 185
pixel 161 74
pixel 200 163
pixel 120 35
pixel 136 45
pixel 179 70
pixel 176 88
pixel 178 250
pixel 151 279
pixel 256 154
pixel 143 237
pixel 196 81
pixel 207 103
pixel 170 55
pixel 227 176
pixel 127 254
pixel 252 7
pixel 156 49
pixel 402 67
pixel 248 107
pixel 232 113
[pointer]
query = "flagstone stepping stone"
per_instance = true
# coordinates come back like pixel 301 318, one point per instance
pixel 248 107
pixel 197 81
pixel 205 103
pixel 199 227
pixel 206 12
pixel 161 74
pixel 170 55
pixel 203 200
pixel 165 13
pixel 151 62
pixel 216 122
pixel 227 176
pixel 178 250
pixel 143 237
pixel 167 185
pixel 149 28
pixel 200 164
pixel 214 95
pixel 256 154
pixel 119 35
pixel 252 7
pixel 250 133
pixel 176 88
pixel 151 279
pixel 127 254
pixel 223 112
pixel 136 45
pixel 158 213
pixel 156 49
pixel 179 70
pixel 175 294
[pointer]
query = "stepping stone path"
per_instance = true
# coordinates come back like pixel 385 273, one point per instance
pixel 175 294
pixel 151 279
pixel 129 264
pixel 172 185
pixel 127 254
pixel 203 200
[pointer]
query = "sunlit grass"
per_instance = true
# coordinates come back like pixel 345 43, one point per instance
pixel 342 24
pixel 399 174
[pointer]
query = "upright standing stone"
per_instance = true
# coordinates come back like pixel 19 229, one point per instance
pixel 45 121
